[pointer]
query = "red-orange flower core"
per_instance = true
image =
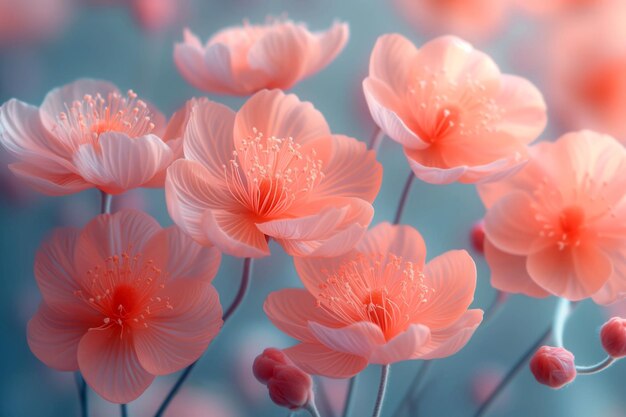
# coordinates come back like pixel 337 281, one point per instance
pixel 384 290
pixel 122 291
pixel 268 174
pixel 85 120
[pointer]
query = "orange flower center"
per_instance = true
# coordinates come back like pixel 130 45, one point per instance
pixel 267 175
pixel 124 291
pixel 381 289
pixel 85 120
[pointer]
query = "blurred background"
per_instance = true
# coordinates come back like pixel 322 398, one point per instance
pixel 574 51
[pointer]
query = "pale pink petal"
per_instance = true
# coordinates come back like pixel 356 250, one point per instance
pixel 361 338
pixel 326 46
pixel 292 309
pixel 310 269
pixel 433 174
pixel 524 109
pixel 111 367
pixel 403 346
pixel 59 99
pixel 388 114
pixel 351 172
pixel 49 183
pixel 122 163
pixel 452 280
pixel 446 342
pixel 511 226
pixel 127 231
pixel 218 64
pixel 189 193
pixel 189 61
pixel 391 60
pixel 508 272
pixel 234 235
pixel 25 137
pixel 176 337
pixel 574 274
pixel 399 240
pixel 209 136
pixel 315 226
pixel 182 256
pixel 495 171
pixel 319 360
pixel 53 336
pixel 282 54
pixel 615 288
pixel 337 244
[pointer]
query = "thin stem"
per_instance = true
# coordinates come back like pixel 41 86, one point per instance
pixel 243 289
pixel 376 140
pixel 561 315
pixel 495 306
pixel 123 410
pixel 312 409
pixel 105 202
pixel 347 407
pixel 413 386
pixel 512 373
pixel 82 394
pixel 404 197
pixel 598 367
pixel 382 388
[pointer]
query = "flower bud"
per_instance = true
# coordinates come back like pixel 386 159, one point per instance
pixel 264 364
pixel 553 366
pixel 477 236
pixel 290 387
pixel 613 337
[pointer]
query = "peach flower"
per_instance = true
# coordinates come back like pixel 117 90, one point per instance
pixel 474 19
pixel 457 117
pixel 86 134
pixel 550 8
pixel 123 301
pixel 32 20
pixel 378 304
pixel 559 226
pixel 273 169
pixel 245 59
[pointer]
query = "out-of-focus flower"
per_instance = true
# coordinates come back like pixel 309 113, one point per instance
pixel 457 117
pixel 484 382
pixel 123 301
pixel 245 59
pixel 472 19
pixel 586 69
pixel 613 337
pixel 288 385
pixel 26 21
pixel 86 134
pixel 552 8
pixel 553 366
pixel 559 226
pixel 271 170
pixel 477 236
pixel 157 15
pixel 378 304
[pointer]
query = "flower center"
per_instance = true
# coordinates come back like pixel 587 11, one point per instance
pixel 85 120
pixel 266 175
pixel 124 291
pixel 384 290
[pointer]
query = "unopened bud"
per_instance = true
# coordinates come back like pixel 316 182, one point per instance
pixel 553 366
pixel 264 364
pixel 290 387
pixel 477 236
pixel 613 337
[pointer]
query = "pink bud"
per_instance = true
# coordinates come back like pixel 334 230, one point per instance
pixel 290 387
pixel 553 366
pixel 264 364
pixel 613 337
pixel 477 236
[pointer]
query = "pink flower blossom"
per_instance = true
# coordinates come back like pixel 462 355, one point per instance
pixel 378 304
pixel 271 170
pixel 457 117
pixel 558 226
pixel 245 59
pixel 32 20
pixel 87 134
pixel 123 301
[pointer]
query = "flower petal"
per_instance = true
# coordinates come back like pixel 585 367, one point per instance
pixel 403 346
pixel 326 46
pixel 292 309
pixel 234 235
pixel 122 163
pixel 400 240
pixel 446 342
pixel 319 360
pixel 390 61
pixel 433 174
pixel 48 183
pixel 177 337
pixel 361 338
pixel 111 367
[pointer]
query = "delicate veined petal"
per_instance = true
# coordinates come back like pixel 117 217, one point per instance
pixel 401 240
pixel 319 360
pixel 233 235
pixel 327 45
pixel 457 117
pixel 448 341
pixel 403 346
